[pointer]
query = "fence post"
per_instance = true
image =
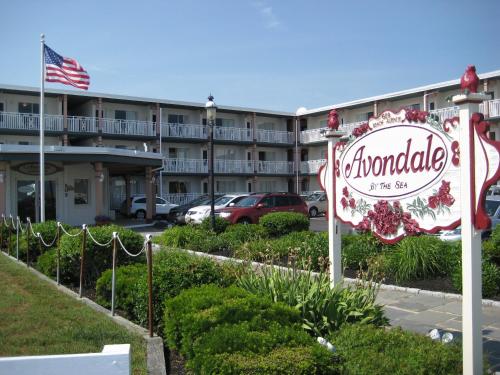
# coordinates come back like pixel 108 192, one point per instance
pixel 58 241
pixel 113 276
pixel 150 285
pixel 9 228
pixel 1 234
pixel 39 243
pixel 28 231
pixel 82 255
pixel 17 237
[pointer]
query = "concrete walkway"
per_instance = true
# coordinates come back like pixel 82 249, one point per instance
pixel 421 313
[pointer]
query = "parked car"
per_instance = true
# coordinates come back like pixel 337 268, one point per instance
pixel 451 235
pixel 138 206
pixel 250 209
pixel 178 214
pixel 492 206
pixel 493 191
pixel 196 214
pixel 317 203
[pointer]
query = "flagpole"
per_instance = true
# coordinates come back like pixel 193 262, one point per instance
pixel 42 115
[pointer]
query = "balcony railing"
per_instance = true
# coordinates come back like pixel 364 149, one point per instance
pixel 313 135
pixel 493 108
pixel 180 198
pixel 77 124
pixel 233 166
pixel 275 167
pixel 445 113
pixel 274 136
pixel 185 165
pixel 233 134
pixel 311 166
pixel 30 122
pixel 173 130
pixel 128 127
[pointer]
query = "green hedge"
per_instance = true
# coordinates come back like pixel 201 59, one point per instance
pixel 366 350
pixel 281 223
pixel 97 259
pixel 220 224
pixel 490 279
pixel 230 331
pixel 357 249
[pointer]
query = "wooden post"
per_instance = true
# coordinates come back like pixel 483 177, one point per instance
pixel 1 234
pixel 28 229
pixel 9 228
pixel 113 277
pixel 58 241
pixel 17 237
pixel 82 256
pixel 150 285
pixel 39 243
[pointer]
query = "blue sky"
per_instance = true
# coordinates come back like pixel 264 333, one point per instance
pixel 266 54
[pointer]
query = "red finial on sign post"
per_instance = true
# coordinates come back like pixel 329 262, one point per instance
pixel 333 120
pixel 469 81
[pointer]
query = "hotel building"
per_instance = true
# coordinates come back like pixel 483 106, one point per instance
pixel 102 148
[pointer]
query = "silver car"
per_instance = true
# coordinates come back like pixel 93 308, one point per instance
pixel 492 206
pixel 316 203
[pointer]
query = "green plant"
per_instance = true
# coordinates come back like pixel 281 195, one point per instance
pixel 220 224
pixel 490 278
pixel 47 263
pixel 126 280
pixel 280 223
pixel 174 271
pixel 323 309
pixel 181 236
pixel 358 248
pixel 237 234
pixel 97 258
pixel 367 350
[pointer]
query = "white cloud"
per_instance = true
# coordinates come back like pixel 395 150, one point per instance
pixel 267 14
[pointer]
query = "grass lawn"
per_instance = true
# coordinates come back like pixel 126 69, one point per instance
pixel 37 319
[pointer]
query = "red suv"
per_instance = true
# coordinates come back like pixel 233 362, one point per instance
pixel 250 209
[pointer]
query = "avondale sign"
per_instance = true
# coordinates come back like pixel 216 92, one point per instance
pixel 398 174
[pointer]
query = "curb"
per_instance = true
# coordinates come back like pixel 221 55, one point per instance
pixel 389 287
pixel 154 345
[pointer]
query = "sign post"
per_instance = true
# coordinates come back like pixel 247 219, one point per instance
pixel 408 172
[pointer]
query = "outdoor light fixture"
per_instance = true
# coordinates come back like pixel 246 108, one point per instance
pixel 211 115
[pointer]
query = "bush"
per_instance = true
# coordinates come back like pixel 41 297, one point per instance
pixel 420 257
pixel 280 223
pixel 181 237
pixel 174 271
pixel 126 280
pixel 357 249
pixel 490 279
pixel 366 350
pixel 220 224
pixel 237 234
pixel 97 258
pixel 323 309
pixel 47 263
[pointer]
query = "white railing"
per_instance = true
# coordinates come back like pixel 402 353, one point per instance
pixel 233 134
pixel 275 167
pixel 78 124
pixel 312 135
pixel 311 166
pixel 493 108
pixel 174 130
pixel 350 126
pixel 445 113
pixel 274 136
pixel 128 127
pixel 180 198
pixel 185 165
pixel 233 166
pixel 30 122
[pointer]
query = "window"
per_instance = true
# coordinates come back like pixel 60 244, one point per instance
pixel 224 122
pixel 267 202
pixel 176 187
pixel 160 200
pixel 141 201
pixel 32 108
pixel 23 143
pixel 266 126
pixel 432 106
pixel 81 191
pixel 492 136
pixel 491 94
pixel 225 186
pixel 281 201
pixel 295 201
pixel 177 119
pixel 125 115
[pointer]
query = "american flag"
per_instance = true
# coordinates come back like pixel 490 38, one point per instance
pixel 64 70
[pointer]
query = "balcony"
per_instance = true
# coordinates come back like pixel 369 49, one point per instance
pixel 233 134
pixel 311 166
pixel 180 198
pixel 316 135
pixel 275 167
pixel 493 108
pixel 185 166
pixel 30 122
pixel 275 136
pixel 233 166
pixel 445 113
pixel 77 124
pixel 128 127
pixel 193 131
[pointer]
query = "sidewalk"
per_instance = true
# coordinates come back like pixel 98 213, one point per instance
pixel 421 313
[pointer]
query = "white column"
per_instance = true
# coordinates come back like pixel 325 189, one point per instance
pixel 334 244
pixel 471 243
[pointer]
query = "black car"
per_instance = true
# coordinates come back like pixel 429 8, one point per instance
pixel 177 214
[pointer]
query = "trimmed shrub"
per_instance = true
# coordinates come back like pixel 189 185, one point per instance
pixel 181 236
pixel 126 280
pixel 357 249
pixel 237 234
pixel 281 223
pixel 47 263
pixel 257 250
pixel 220 224
pixel 97 258
pixel 174 271
pixel 366 350
pixel 490 279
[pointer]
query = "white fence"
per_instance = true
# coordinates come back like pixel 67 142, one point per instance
pixel 311 166
pixel 173 130
pixel 274 136
pixel 113 360
pixel 180 198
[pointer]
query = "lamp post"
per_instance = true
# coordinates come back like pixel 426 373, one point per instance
pixel 211 115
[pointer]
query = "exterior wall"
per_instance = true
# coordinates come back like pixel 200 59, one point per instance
pixel 11 102
pixel 144 112
pixel 193 184
pixel 317 152
pixel 270 184
pixel 191 150
pixel 190 116
pixel 273 154
pixel 271 123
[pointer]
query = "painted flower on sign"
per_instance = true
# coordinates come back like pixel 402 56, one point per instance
pixel 386 219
